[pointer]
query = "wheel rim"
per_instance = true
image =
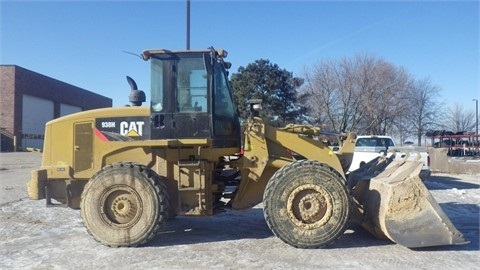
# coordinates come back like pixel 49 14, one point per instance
pixel 121 206
pixel 309 206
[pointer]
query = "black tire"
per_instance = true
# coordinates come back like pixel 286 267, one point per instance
pixel 306 204
pixel 125 204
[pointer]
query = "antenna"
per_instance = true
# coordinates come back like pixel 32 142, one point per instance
pixel 133 54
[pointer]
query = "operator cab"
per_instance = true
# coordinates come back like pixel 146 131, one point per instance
pixel 191 97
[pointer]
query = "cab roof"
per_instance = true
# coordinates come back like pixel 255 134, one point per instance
pixel 147 53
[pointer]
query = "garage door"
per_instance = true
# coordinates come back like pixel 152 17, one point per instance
pixel 35 113
pixel 68 109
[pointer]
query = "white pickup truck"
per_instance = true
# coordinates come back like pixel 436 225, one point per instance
pixel 370 147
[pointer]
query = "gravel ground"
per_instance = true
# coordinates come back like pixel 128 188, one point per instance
pixel 33 236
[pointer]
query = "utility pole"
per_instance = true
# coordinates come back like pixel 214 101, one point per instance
pixel 188 24
pixel 476 117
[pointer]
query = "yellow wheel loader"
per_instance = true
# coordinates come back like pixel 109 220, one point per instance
pixel 131 169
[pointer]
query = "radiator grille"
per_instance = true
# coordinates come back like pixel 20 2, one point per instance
pixel 83 156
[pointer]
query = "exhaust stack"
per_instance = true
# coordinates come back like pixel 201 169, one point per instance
pixel 136 97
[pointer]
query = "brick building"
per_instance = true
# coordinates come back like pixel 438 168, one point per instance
pixel 29 99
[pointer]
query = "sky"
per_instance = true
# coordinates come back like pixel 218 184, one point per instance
pixel 84 43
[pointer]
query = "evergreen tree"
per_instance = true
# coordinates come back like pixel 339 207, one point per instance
pixel 276 87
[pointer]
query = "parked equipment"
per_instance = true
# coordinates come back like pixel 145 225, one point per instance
pixel 131 169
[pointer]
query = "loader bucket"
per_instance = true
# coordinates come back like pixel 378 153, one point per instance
pixel 396 204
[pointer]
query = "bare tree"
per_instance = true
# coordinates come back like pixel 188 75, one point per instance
pixel 320 86
pixel 363 94
pixel 458 119
pixel 425 111
pixel 386 101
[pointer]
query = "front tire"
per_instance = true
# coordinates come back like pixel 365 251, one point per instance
pixel 306 204
pixel 125 204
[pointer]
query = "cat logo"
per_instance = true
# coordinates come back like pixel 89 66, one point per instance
pixel 132 129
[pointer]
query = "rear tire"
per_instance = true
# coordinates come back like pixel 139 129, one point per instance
pixel 306 204
pixel 124 204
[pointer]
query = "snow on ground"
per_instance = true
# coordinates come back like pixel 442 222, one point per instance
pixel 33 236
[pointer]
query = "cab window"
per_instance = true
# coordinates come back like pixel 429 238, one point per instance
pixel 191 85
